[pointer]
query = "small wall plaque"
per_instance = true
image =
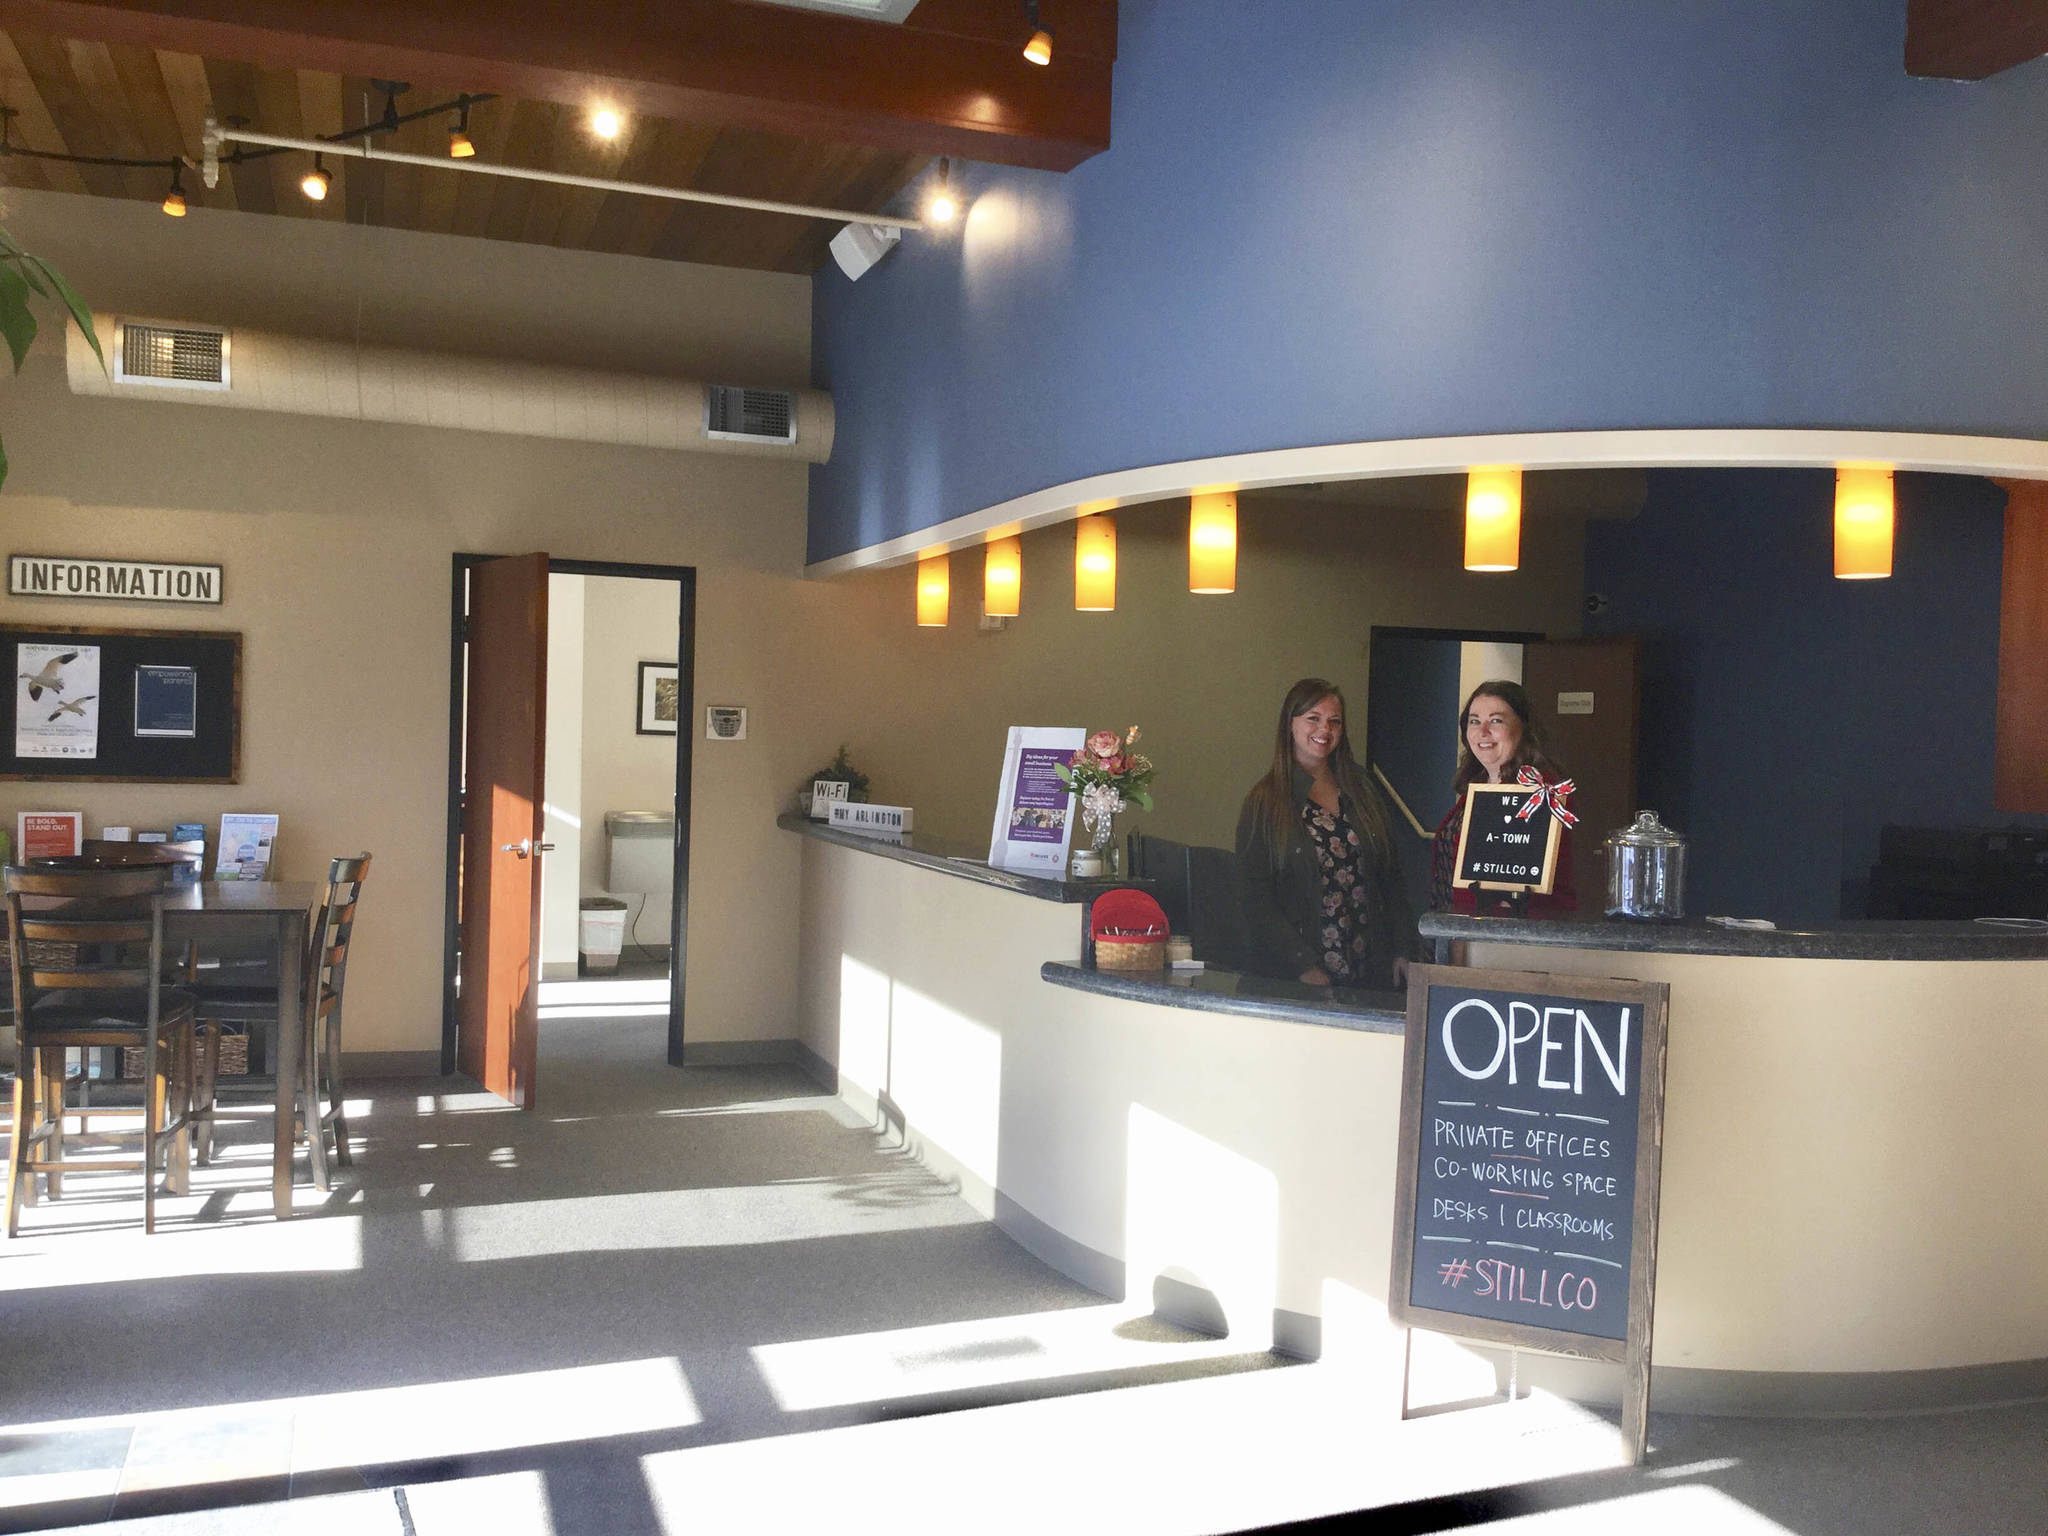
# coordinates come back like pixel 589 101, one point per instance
pixel 1575 703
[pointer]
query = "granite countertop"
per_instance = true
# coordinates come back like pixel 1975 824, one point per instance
pixel 2018 939
pixel 1255 997
pixel 957 860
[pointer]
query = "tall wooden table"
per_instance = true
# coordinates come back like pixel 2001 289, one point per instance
pixel 283 911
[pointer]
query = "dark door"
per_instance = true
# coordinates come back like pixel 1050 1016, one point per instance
pixel 1587 693
pixel 505 728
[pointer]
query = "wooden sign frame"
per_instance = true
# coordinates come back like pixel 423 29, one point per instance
pixel 1632 1353
pixel 1550 846
pixel 213 755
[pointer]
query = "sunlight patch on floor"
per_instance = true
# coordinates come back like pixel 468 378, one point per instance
pixel 796 1210
pixel 978 1354
pixel 225 1443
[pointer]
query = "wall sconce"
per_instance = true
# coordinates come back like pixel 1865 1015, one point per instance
pixel 1212 542
pixel 934 591
pixel 1002 578
pixel 1095 564
pixel 1863 521
pixel 1493 517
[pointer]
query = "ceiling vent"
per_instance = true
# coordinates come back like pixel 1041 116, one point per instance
pixel 734 414
pixel 194 357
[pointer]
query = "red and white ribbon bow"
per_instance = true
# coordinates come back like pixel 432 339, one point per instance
pixel 1552 795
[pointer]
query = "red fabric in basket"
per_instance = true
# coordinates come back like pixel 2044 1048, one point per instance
pixel 1129 917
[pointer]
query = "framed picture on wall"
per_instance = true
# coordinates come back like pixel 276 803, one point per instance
pixel 659 699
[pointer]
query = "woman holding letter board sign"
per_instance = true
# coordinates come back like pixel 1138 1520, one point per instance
pixel 1505 849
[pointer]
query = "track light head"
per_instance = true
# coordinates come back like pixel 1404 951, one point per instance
pixel 944 207
pixel 316 182
pixel 460 146
pixel 606 123
pixel 174 200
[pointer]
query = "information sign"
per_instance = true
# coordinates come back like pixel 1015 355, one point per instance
pixel 1531 1134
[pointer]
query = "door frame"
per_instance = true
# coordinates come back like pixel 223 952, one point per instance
pixel 685 577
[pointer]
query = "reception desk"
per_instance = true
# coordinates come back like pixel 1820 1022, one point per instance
pixel 1853 1207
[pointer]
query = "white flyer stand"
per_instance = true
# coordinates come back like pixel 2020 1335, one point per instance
pixel 1034 823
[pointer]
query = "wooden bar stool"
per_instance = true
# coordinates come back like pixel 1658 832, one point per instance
pixel 320 1055
pixel 86 946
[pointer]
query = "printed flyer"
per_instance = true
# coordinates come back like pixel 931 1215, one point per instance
pixel 56 700
pixel 1034 821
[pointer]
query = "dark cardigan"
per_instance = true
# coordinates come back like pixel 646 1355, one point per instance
pixel 1283 899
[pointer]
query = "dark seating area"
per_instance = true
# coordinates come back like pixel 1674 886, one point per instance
pixel 1198 887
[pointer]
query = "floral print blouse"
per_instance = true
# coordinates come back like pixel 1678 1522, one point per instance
pixel 1347 896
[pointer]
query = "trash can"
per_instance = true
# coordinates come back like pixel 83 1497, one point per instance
pixel 603 925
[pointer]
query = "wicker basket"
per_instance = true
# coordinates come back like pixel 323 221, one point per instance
pixel 1129 931
pixel 234 1058
pixel 1135 954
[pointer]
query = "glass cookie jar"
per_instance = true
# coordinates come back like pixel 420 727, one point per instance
pixel 1646 870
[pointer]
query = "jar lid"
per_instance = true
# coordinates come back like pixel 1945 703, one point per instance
pixel 1648 832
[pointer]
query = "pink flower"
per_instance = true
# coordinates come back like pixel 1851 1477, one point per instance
pixel 1104 744
pixel 1110 764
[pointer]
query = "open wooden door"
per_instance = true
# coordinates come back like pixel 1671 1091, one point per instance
pixel 505 753
pixel 1588 694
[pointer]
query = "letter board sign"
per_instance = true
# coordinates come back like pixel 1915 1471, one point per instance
pixel 1504 844
pixel 1531 1141
pixel 121 581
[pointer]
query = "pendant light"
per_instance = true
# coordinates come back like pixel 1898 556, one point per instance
pixel 460 145
pixel 1039 49
pixel 1863 521
pixel 316 182
pixel 934 591
pixel 1212 542
pixel 1493 517
pixel 1002 579
pixel 174 200
pixel 1095 564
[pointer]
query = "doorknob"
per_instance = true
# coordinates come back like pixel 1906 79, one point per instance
pixel 523 847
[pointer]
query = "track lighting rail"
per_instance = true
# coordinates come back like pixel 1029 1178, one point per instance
pixel 218 134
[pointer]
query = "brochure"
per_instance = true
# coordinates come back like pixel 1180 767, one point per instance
pixel 1034 813
pixel 49 835
pixel 246 839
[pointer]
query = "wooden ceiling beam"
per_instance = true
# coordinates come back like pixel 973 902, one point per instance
pixel 951 80
pixel 1973 39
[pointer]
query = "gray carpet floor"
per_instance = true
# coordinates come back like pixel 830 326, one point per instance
pixel 717 1300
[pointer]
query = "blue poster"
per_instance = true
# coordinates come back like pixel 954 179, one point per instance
pixel 167 701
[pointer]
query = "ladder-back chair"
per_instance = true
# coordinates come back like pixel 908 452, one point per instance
pixel 86 947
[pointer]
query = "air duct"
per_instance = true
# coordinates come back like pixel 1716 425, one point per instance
pixel 306 377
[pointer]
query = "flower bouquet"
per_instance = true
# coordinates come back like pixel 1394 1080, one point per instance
pixel 1108 777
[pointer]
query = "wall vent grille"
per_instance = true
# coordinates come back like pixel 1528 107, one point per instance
pixel 190 356
pixel 749 415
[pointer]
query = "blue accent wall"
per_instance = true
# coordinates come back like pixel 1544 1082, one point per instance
pixel 1338 220
pixel 1786 715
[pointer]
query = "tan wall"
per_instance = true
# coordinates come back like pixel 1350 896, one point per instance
pixel 1203 676
pixel 337 536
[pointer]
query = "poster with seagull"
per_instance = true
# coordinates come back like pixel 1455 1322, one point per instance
pixel 56 700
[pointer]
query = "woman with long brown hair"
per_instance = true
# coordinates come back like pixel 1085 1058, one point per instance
pixel 1499 737
pixel 1324 900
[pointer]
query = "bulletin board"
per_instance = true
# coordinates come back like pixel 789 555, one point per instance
pixel 111 705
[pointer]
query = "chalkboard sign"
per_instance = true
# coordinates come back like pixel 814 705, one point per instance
pixel 1531 1136
pixel 120 705
pixel 1499 849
